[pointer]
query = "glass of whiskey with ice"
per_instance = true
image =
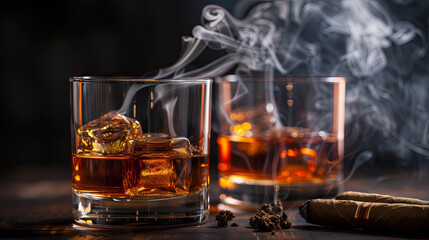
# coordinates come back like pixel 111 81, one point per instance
pixel 280 138
pixel 140 151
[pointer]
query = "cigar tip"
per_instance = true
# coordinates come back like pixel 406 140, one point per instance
pixel 303 210
pixel 341 195
pixel 338 195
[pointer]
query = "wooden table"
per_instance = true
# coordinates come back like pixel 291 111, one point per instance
pixel 36 204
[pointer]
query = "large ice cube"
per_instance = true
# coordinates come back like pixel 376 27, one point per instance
pixel 181 145
pixel 108 134
pixel 148 175
pixel 160 165
pixel 150 143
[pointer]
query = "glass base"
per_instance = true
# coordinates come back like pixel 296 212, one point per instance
pixel 251 195
pixel 104 212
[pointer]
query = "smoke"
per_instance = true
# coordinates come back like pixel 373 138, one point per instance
pixel 381 51
pixel 169 107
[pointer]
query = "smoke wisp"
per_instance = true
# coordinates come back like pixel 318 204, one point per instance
pixel 382 53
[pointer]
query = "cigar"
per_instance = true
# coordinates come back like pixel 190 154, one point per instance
pixel 372 197
pixel 398 217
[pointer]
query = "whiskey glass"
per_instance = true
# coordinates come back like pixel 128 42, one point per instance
pixel 140 151
pixel 280 138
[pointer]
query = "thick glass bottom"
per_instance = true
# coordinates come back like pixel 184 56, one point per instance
pixel 151 212
pixel 253 194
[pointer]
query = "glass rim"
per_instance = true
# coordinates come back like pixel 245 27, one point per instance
pixel 303 79
pixel 136 79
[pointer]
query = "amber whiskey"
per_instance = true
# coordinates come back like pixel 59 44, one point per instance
pixel 114 158
pixel 285 159
pixel 148 175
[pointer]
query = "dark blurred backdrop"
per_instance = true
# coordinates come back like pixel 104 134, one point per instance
pixel 43 44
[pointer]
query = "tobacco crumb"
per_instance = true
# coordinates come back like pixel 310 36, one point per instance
pixel 270 217
pixel 272 208
pixel 223 217
pixel 234 225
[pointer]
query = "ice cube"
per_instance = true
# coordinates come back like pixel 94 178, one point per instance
pixel 152 175
pixel 160 144
pixel 162 175
pixel 108 134
pixel 181 145
pixel 160 166
pixel 150 143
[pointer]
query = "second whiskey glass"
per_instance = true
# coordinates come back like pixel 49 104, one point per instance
pixel 280 139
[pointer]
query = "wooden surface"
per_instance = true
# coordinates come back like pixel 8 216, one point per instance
pixel 35 203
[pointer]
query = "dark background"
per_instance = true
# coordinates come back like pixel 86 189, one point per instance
pixel 43 44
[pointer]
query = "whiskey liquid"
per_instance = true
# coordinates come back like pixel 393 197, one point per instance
pixel 139 176
pixel 277 160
